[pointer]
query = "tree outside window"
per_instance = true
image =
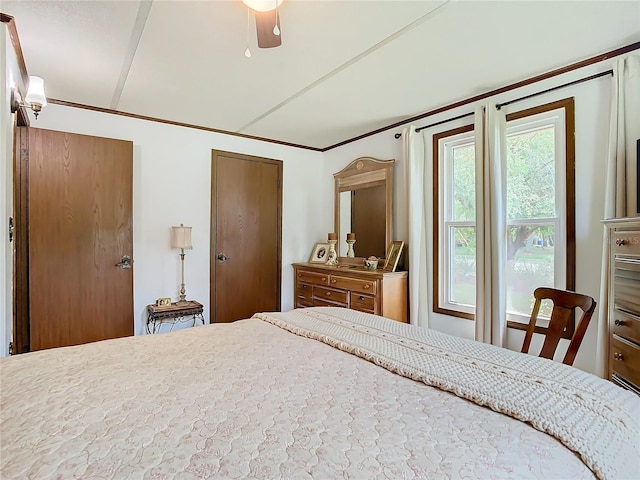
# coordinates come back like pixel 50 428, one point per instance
pixel 539 204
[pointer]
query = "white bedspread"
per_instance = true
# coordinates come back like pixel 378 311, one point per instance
pixel 592 417
pixel 252 400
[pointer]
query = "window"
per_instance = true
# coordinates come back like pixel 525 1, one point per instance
pixel 539 185
pixel 535 210
pixel 455 232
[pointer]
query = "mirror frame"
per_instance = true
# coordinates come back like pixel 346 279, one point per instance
pixel 364 172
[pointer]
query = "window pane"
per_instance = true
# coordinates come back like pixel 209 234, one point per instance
pixel 464 183
pixel 531 174
pixel 530 264
pixel 463 283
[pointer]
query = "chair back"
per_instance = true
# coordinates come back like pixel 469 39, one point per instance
pixel 564 306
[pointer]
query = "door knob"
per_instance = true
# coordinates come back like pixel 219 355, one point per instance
pixel 125 262
pixel 222 257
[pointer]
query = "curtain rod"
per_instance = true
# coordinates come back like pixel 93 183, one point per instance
pixel 575 82
pixel 500 105
pixel 398 135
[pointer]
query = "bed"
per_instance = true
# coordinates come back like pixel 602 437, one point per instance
pixel 317 393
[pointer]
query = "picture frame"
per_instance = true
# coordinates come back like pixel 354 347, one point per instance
pixel 319 253
pixel 394 251
pixel 163 302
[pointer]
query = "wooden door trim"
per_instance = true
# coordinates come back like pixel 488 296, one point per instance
pixel 212 233
pixel 21 315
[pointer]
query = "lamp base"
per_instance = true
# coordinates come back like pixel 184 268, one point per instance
pixel 182 300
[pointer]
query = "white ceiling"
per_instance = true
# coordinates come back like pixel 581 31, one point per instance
pixel 345 68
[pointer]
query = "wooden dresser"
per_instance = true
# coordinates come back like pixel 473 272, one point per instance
pixel 624 303
pixel 379 292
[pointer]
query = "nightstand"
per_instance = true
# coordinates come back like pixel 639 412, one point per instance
pixel 173 314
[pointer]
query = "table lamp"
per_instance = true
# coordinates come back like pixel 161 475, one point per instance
pixel 181 238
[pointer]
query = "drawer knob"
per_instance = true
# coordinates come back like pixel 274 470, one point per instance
pixel 620 242
pixel 619 323
pixel 367 286
pixel 361 297
pixel 304 286
pixel 328 294
pixel 617 356
pixel 334 281
pixel 324 279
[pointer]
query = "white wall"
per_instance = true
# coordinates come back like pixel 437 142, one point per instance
pixel 592 121
pixel 172 172
pixel 172 185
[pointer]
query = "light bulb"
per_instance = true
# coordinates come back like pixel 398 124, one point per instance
pixel 262 5
pixel 247 53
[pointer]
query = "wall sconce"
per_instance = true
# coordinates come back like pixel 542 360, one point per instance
pixel 181 238
pixel 35 98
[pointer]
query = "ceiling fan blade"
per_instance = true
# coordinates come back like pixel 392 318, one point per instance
pixel 265 21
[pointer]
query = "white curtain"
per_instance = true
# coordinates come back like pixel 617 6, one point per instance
pixel 418 186
pixel 620 193
pixel 490 125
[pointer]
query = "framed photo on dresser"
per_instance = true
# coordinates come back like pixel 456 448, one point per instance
pixel 394 250
pixel 319 253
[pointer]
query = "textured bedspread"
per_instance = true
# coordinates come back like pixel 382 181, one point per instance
pixel 252 400
pixel 592 417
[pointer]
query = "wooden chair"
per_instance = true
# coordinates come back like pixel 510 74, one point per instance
pixel 564 305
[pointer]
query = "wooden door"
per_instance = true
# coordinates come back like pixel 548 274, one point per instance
pixel 246 235
pixel 76 205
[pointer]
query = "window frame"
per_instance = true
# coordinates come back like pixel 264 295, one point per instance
pixel 523 126
pixel 569 200
pixel 439 304
pixel 439 289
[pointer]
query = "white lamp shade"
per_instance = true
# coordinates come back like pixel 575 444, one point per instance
pixel 181 237
pixel 262 5
pixel 35 92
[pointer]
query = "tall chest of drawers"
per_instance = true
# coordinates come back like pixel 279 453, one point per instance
pixel 624 303
pixel 379 292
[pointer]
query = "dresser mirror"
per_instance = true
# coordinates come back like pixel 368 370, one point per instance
pixel 363 206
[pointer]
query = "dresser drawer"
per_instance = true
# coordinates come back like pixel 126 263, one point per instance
pixel 321 302
pixel 625 360
pixel 312 277
pixel 331 294
pixel 626 325
pixel 626 284
pixel 626 244
pixel 364 303
pixel 353 284
pixel 378 292
pixel 304 291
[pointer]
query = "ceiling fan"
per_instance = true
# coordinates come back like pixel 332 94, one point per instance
pixel 267 21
